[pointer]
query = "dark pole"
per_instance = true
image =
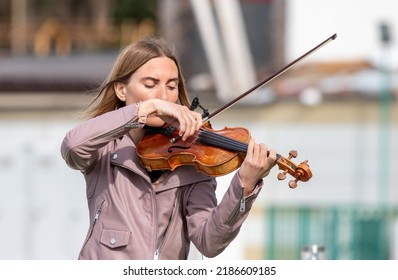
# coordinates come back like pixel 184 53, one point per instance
pixel 385 114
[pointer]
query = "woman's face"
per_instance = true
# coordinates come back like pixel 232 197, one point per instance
pixel 158 78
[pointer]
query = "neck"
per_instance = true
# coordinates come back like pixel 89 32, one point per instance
pixel 137 134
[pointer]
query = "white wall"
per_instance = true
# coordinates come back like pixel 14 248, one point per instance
pixel 43 211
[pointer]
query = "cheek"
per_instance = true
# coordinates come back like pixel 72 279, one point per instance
pixel 134 95
pixel 173 96
pixel 173 99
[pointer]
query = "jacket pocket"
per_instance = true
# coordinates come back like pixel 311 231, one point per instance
pixel 114 238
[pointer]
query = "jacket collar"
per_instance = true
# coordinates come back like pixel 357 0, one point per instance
pixel 124 155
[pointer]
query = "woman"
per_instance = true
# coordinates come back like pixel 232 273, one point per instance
pixel 136 214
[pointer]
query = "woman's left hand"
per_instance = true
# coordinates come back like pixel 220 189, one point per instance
pixel 256 165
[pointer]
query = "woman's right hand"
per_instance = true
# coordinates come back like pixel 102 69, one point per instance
pixel 158 112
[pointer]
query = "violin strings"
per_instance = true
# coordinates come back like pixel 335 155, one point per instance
pixel 218 140
pixel 225 142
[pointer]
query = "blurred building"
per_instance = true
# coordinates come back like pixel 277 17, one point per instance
pixel 340 113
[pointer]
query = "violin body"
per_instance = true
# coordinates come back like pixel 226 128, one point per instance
pixel 214 152
pixel 167 152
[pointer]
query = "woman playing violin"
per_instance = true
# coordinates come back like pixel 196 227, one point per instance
pixel 137 214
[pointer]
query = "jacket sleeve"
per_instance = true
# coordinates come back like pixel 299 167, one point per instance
pixel 81 145
pixel 213 227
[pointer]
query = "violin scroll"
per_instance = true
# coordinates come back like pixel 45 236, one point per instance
pixel 300 172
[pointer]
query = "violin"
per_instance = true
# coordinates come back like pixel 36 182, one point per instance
pixel 215 152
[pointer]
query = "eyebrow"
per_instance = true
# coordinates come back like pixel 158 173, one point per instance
pixel 157 80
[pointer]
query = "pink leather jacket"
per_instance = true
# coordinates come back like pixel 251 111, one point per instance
pixel 133 218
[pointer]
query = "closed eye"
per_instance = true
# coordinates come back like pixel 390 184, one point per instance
pixel 149 82
pixel 173 84
pixel 173 87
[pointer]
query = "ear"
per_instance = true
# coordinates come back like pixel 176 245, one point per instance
pixel 120 90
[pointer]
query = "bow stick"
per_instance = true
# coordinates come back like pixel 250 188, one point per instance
pixel 268 79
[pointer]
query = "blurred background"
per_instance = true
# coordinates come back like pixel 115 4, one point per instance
pixel 337 108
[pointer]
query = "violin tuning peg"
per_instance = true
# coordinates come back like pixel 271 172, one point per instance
pixel 282 175
pixel 293 184
pixel 293 154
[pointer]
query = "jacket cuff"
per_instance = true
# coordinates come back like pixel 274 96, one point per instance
pixel 256 188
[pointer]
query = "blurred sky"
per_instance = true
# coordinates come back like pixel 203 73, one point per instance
pixel 356 23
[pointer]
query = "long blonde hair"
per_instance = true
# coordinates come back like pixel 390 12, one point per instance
pixel 129 60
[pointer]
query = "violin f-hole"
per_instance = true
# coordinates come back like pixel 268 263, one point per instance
pixel 170 149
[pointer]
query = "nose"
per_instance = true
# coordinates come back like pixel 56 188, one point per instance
pixel 163 93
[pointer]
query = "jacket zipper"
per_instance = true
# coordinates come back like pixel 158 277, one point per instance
pixel 167 232
pixel 98 212
pixel 96 217
pixel 156 255
pixel 161 242
pixel 240 208
pixel 154 211
pixel 131 124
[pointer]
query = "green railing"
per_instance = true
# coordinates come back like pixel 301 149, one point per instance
pixel 346 233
